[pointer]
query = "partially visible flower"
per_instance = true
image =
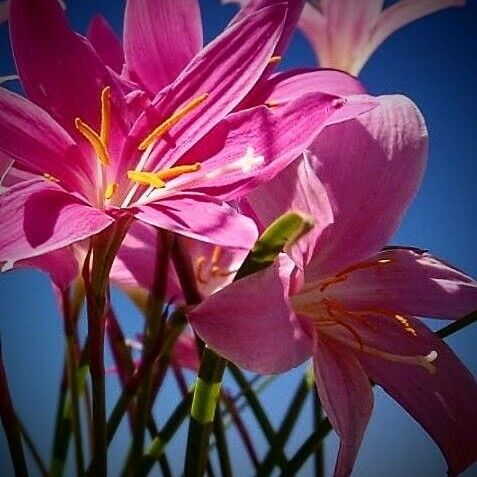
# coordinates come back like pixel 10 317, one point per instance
pixel 349 305
pixel 4 10
pixel 345 33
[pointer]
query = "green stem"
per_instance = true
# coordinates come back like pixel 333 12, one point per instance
pixel 285 429
pixel 222 447
pixel 104 247
pixel 204 403
pixel 457 325
pixel 11 425
pixel 72 365
pixel 318 419
pixel 159 443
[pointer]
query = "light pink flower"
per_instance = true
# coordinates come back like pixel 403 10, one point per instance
pixel 345 33
pixel 348 305
pixel 94 148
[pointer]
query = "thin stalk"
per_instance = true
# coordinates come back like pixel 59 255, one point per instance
pixel 72 365
pixel 154 325
pixel 318 418
pixel 104 247
pixel 206 395
pixel 457 325
pixel 177 323
pixel 240 425
pixel 33 450
pixel 159 443
pixel 285 429
pixel 222 447
pixel 258 411
pixel 11 425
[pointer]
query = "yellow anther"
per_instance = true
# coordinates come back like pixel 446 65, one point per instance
pixel 95 141
pixel 105 114
pixel 216 254
pixel 274 60
pixel 272 103
pixel 173 172
pixel 51 178
pixel 384 260
pixel 110 191
pixel 146 178
pixel 166 125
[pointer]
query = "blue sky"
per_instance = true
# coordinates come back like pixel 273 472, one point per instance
pixel 433 61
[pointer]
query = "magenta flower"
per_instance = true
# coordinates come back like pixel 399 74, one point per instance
pixel 345 33
pixel 349 305
pixel 98 151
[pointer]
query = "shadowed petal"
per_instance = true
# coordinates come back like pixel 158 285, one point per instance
pixel 203 218
pixel 410 283
pixel 4 10
pixel 106 43
pixel 261 335
pixel 38 217
pixel 31 136
pixel 346 395
pixel 443 403
pixel 371 168
pixel 295 189
pixel 160 38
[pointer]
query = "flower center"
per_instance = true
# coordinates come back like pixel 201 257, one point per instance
pixel 206 270
pixel 332 317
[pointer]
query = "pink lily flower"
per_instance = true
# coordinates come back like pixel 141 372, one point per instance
pixel 349 305
pixel 97 154
pixel 345 33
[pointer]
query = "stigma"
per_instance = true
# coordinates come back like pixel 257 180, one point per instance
pixel 99 141
pixel 171 121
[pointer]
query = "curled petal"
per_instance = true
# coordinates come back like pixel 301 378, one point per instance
pixel 371 168
pixel 407 282
pixel 262 335
pixel 38 217
pixel 346 395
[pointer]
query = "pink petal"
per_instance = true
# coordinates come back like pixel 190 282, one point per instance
pixel 31 136
pixel 59 70
pixel 226 69
pixel 200 217
pixel 289 85
pixel 346 395
pixel 403 12
pixel 38 217
pixel 61 265
pixel 106 43
pixel 294 189
pixel 134 266
pixel 443 403
pixel 294 9
pixel 185 353
pixel 275 136
pixel 261 335
pixel 160 38
pixel 371 168
pixel 411 284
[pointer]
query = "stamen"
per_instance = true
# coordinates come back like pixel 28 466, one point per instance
pixel 200 270
pixel 216 254
pixel 274 60
pixel 146 178
pixel 272 103
pixel 105 114
pixel 94 140
pixel 110 191
pixel 51 178
pixel 173 172
pixel 166 125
